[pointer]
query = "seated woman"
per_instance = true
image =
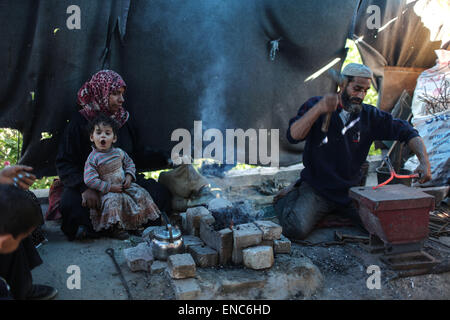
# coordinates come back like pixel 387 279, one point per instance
pixel 103 94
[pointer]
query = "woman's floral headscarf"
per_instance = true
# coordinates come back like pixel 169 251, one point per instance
pixel 93 96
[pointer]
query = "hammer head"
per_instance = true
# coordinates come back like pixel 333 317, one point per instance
pixel 337 77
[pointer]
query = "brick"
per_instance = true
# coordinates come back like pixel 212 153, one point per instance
pixel 204 256
pixel 158 267
pixel 221 241
pixel 257 258
pixel 189 241
pixel 270 230
pixel 181 266
pixel 185 289
pixel 244 236
pixel 193 216
pixel 139 258
pixel 282 245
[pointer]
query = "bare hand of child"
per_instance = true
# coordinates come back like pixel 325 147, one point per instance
pixel 116 188
pixel 128 180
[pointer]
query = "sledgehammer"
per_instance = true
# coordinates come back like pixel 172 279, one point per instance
pixel 339 79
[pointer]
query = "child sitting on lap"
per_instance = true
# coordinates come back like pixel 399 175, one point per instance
pixel 124 204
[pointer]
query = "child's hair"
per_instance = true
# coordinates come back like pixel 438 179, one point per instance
pixel 105 120
pixel 19 211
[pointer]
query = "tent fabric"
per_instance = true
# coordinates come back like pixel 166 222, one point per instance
pixel 183 61
pixel 402 37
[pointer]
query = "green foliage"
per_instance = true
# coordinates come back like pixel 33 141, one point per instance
pixel 10 148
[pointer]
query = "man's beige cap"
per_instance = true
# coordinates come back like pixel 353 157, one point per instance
pixel 357 70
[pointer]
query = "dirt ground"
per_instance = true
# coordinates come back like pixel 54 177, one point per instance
pixel 343 268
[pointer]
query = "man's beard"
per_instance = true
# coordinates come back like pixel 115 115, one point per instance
pixel 351 104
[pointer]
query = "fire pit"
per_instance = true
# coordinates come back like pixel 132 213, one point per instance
pixel 231 230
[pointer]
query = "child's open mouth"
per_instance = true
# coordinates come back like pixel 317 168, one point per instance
pixel 103 142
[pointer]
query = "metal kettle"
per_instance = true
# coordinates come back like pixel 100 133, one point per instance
pixel 167 241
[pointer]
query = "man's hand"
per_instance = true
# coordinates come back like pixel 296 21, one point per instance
pixel 18 175
pixel 283 192
pixel 424 171
pixel 127 182
pixel 329 102
pixel 116 188
pixel 91 199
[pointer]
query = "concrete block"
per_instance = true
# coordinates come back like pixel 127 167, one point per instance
pixel 193 216
pixel 158 267
pixel 204 256
pixel 283 245
pixel 190 241
pixel 257 258
pixel 139 258
pixel 185 289
pixel 244 236
pixel 221 241
pixel 181 266
pixel 270 230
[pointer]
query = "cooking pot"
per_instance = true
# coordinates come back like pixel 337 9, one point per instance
pixel 167 241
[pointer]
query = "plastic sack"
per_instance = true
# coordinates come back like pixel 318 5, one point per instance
pixel 435 132
pixel 432 93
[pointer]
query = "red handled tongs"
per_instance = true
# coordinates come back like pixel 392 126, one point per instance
pixel 394 175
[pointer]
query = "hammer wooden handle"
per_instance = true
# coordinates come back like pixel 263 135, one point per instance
pixel 326 122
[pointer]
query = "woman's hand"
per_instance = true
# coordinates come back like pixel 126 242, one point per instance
pixel 90 199
pixel 116 188
pixel 18 176
pixel 128 180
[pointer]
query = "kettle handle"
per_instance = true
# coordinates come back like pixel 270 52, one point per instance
pixel 166 219
pixel 168 225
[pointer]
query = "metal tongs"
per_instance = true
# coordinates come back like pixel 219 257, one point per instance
pixel 393 174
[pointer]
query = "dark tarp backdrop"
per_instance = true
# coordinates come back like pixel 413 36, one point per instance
pixel 182 61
